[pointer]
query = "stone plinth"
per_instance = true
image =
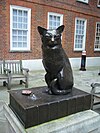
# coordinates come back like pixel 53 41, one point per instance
pixel 41 107
pixel 83 122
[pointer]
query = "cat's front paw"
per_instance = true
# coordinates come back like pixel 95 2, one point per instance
pixel 48 91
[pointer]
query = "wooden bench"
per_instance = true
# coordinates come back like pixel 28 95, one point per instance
pixel 95 93
pixel 4 75
pixel 12 69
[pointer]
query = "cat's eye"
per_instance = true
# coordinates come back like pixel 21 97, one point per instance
pixel 57 36
pixel 47 34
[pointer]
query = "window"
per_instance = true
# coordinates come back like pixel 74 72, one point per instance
pixel 98 4
pixel 20 28
pixel 54 20
pixel 97 38
pixel 80 34
pixel 84 1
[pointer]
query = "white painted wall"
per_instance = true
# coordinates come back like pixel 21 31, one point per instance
pixel 75 62
pixel 33 64
pixel 90 61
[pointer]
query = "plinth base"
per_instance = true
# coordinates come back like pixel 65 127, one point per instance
pixel 41 107
pixel 82 69
pixel 82 122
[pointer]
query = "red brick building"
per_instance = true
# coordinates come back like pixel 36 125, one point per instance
pixel 19 38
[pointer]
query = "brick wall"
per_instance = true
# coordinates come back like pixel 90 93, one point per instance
pixel 39 11
pixel 3 26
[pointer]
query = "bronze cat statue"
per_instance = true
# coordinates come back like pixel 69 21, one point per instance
pixel 59 76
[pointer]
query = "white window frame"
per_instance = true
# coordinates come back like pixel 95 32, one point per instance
pixel 96 49
pixel 84 39
pixel 84 1
pixel 27 48
pixel 98 3
pixel 55 14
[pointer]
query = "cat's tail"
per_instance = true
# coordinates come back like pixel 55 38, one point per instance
pixel 55 89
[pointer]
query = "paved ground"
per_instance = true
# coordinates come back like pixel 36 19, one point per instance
pixel 82 80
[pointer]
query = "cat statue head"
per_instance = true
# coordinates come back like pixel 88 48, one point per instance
pixel 49 37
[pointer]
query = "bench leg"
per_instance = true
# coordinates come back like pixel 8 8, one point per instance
pixel 21 81
pixel 92 95
pixel 4 83
pixel 9 83
pixel 92 101
pixel 26 82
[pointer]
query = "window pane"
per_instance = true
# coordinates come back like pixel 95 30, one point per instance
pixel 14 32
pixel 50 17
pixel 14 38
pixel 50 23
pixel 24 26
pixel 54 24
pixel 19 38
pixel 20 30
pixel 54 18
pixel 80 33
pixel 25 13
pixel 25 20
pixel 24 44
pixel 14 18
pixel 58 19
pixel 20 25
pixel 22 17
pixel 97 38
pixel 25 38
pixel 19 19
pixel 19 44
pixel 14 25
pixel 24 32
pixel 14 44
pixel 19 13
pixel 57 24
pixel 14 12
pixel 54 21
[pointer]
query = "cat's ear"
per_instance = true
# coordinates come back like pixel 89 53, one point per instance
pixel 60 29
pixel 41 30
